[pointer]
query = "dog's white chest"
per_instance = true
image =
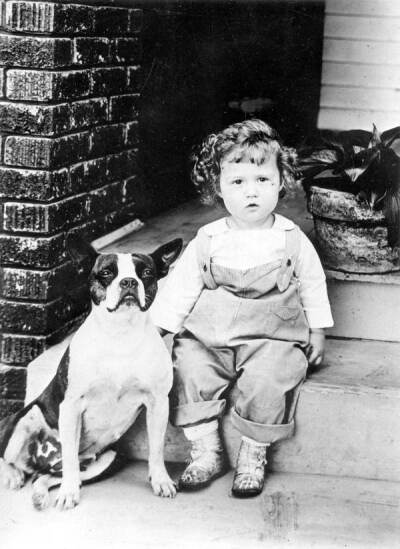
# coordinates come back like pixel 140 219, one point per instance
pixel 114 379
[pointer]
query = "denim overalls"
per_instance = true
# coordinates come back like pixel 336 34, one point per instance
pixel 247 329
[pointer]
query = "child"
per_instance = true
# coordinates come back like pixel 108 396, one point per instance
pixel 246 301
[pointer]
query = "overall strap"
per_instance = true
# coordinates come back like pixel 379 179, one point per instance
pixel 292 250
pixel 203 242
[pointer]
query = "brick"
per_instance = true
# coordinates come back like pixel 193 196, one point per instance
pixel 122 165
pixel 124 108
pixel 28 151
pixel 132 134
pixel 25 217
pixel 88 175
pixel 105 199
pixel 108 140
pixel 89 112
pixel 70 149
pixel 42 152
pixel 128 50
pixel 25 251
pixel 26 51
pixel 34 85
pixel 49 120
pixel 20 349
pixel 47 18
pixel 30 16
pixel 34 184
pixel 92 51
pixel 71 18
pixel 135 79
pixel 135 20
pixel 12 382
pixel 9 406
pixel 42 319
pixel 34 119
pixel 109 81
pixel 34 285
pixel 111 21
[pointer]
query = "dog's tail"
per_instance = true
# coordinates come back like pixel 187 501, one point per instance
pixel 7 427
pixel 105 465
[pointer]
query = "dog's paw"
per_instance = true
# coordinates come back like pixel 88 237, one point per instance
pixel 40 499
pixel 67 497
pixel 13 478
pixel 163 485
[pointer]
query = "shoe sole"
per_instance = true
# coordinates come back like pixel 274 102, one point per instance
pixel 246 493
pixel 189 487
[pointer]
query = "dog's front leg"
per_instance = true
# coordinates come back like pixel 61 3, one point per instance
pixel 157 419
pixel 12 476
pixel 69 424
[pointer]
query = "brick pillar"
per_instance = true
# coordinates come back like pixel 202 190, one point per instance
pixel 69 83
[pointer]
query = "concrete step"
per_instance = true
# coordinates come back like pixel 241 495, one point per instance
pixel 348 415
pixel 348 418
pixel 301 511
pixel 365 306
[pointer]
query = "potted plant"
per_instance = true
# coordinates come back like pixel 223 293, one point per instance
pixel 352 182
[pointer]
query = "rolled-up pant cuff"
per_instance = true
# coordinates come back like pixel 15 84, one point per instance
pixel 194 413
pixel 262 432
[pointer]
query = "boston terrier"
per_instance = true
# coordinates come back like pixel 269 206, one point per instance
pixel 116 364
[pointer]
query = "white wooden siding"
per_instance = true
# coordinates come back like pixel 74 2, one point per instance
pixel 361 65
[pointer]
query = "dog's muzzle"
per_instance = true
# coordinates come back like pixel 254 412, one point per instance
pixel 129 297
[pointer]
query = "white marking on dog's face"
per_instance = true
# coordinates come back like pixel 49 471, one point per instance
pixel 127 282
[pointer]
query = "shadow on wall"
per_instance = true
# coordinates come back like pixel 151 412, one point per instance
pixel 209 64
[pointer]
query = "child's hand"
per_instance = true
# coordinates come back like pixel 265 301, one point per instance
pixel 315 347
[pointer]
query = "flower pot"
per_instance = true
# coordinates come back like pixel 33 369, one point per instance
pixel 350 236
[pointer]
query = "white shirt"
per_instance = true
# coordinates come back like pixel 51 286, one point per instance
pixel 242 249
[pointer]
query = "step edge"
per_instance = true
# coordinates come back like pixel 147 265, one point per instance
pixel 318 386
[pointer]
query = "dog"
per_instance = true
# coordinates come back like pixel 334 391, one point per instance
pixel 116 365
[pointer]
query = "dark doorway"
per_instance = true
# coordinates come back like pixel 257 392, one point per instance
pixel 204 61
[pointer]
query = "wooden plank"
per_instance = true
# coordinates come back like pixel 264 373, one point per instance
pixel 368 76
pixel 341 119
pixel 354 51
pixel 368 28
pixel 384 8
pixel 360 98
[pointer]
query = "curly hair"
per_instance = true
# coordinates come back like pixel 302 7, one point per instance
pixel 249 141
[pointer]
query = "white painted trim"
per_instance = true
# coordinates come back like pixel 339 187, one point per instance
pixel 113 236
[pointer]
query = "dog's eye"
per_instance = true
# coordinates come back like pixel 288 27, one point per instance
pixel 147 272
pixel 105 272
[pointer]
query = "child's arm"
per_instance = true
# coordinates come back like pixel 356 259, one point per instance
pixel 179 293
pixel 313 291
pixel 314 298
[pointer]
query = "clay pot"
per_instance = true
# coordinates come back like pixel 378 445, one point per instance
pixel 350 236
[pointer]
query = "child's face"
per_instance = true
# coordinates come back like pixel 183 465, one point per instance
pixel 250 192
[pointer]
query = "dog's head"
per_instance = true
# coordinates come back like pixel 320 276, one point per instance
pixel 120 281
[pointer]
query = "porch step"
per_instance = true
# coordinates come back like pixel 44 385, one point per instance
pixel 348 418
pixel 293 511
pixel 365 305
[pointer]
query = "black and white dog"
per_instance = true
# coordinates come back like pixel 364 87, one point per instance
pixel 116 364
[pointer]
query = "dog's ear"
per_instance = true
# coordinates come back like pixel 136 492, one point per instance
pixel 80 251
pixel 165 255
